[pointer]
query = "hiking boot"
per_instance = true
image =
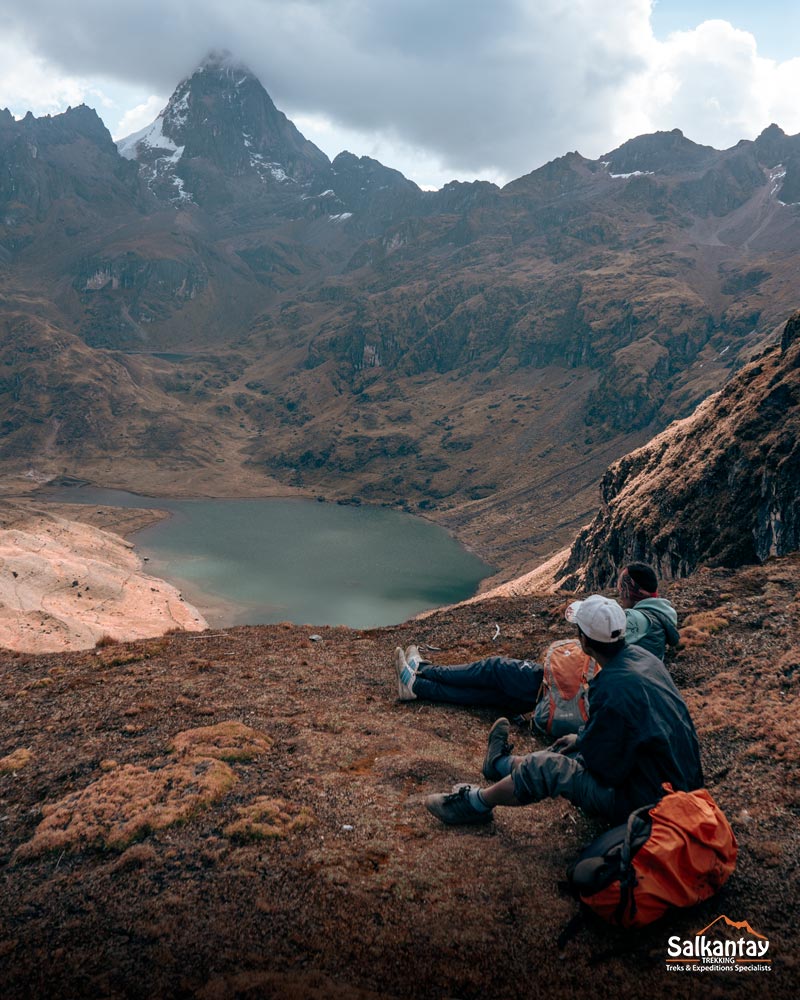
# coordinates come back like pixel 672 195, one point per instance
pixel 405 677
pixel 496 748
pixel 455 809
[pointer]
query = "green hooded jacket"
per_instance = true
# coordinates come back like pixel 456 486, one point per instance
pixel 652 624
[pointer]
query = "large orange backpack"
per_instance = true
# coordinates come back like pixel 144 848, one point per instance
pixel 562 706
pixel 676 853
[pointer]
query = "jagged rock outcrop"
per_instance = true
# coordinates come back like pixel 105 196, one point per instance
pixel 659 153
pixel 63 171
pixel 720 488
pixel 367 186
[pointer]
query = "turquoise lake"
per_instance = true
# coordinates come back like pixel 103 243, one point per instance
pixel 249 562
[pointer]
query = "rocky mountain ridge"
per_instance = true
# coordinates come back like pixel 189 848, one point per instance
pixel 720 488
pixel 221 124
pixel 478 353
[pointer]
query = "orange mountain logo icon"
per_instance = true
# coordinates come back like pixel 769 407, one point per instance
pixel 739 925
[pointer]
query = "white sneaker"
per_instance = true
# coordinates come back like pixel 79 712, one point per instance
pixel 414 658
pixel 405 676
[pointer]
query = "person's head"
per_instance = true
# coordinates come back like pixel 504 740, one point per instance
pixel 601 625
pixel 636 582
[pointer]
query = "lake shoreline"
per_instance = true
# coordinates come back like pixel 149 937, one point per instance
pixel 380 587
pixel 44 494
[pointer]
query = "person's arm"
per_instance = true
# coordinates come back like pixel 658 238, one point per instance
pixel 607 746
pixel 565 743
pixel 637 625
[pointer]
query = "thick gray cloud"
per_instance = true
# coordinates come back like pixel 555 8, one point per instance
pixel 477 87
pixel 502 85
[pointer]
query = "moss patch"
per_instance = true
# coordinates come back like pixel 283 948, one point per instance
pixel 14 761
pixel 126 804
pixel 266 818
pixel 225 741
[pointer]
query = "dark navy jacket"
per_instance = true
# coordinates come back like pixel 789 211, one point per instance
pixel 639 734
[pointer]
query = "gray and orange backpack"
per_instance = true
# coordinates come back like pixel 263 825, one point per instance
pixel 675 853
pixel 562 706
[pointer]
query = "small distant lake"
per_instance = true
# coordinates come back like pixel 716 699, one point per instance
pixel 248 562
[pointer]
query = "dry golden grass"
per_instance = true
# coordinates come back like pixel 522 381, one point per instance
pixel 136 856
pixel 126 804
pixel 698 628
pixel 226 741
pixel 14 761
pixel 122 659
pixel 266 818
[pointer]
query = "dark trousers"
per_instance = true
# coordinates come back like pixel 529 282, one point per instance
pixel 496 681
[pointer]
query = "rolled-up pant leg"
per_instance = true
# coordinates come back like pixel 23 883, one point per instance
pixel 549 775
pixel 497 680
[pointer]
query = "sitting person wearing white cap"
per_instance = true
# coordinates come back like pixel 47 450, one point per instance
pixel 639 735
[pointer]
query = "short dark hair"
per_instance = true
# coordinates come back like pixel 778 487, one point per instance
pixel 606 649
pixel 643 576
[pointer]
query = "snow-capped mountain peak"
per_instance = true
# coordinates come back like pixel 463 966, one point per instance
pixel 220 124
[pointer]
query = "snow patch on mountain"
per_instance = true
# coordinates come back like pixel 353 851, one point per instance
pixel 633 173
pixel 158 155
pixel 776 175
pixel 267 168
pixel 150 137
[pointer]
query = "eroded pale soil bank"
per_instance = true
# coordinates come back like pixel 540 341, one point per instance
pixel 65 583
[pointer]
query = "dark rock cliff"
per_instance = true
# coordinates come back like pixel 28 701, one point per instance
pixel 721 488
pixel 67 156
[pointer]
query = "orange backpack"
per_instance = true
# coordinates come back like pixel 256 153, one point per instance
pixel 676 853
pixel 562 707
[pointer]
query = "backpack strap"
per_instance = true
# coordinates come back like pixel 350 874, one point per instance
pixel 570 930
pixel 627 873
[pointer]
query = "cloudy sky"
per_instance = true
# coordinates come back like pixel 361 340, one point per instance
pixel 439 89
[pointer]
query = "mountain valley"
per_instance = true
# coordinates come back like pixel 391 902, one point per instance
pixel 213 307
pixel 223 310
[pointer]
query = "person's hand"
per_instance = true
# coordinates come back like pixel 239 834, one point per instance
pixel 565 744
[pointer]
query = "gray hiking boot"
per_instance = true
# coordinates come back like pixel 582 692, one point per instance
pixel 455 809
pixel 405 677
pixel 496 748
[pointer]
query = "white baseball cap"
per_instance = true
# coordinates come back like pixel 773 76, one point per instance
pixel 598 617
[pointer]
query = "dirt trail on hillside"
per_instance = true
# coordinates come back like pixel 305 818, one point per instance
pixel 239 814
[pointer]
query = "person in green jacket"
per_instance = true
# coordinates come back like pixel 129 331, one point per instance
pixel 651 620
pixel 501 682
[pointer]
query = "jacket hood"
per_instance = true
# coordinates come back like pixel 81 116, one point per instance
pixel 660 604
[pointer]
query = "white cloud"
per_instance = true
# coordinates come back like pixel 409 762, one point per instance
pixel 458 88
pixel 711 83
pixel 28 83
pixel 139 117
